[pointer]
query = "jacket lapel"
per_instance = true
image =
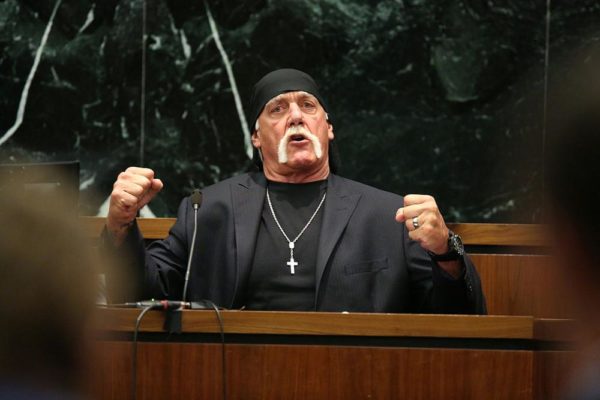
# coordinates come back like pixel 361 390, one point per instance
pixel 248 198
pixel 339 206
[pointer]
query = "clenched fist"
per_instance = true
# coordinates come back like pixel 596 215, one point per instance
pixel 134 188
pixel 424 222
pixel 426 225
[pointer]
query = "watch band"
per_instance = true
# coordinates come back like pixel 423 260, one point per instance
pixel 452 255
pixel 455 249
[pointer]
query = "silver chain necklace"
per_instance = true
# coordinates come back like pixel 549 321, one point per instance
pixel 291 243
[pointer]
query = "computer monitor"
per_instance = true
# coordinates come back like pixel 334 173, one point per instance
pixel 43 179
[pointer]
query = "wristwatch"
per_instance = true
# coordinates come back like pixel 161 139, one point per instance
pixel 455 249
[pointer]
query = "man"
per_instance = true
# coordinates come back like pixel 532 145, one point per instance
pixel 295 236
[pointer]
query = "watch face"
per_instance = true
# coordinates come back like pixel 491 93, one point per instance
pixel 457 244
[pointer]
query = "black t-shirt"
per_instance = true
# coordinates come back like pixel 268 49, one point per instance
pixel 271 286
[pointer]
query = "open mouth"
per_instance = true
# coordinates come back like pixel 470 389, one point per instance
pixel 297 138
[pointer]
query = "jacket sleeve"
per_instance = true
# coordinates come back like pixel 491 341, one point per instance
pixel 156 272
pixel 433 290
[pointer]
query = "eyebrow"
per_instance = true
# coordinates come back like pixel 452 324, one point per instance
pixel 280 97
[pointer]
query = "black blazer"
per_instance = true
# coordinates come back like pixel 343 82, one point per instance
pixel 365 259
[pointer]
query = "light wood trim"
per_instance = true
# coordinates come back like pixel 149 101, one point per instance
pixel 155 228
pixel 152 228
pixel 92 225
pixel 355 324
pixel 500 234
pixel 472 234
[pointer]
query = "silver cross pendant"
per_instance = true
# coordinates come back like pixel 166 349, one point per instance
pixel 292 264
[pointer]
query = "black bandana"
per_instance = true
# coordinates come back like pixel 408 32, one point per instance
pixel 278 82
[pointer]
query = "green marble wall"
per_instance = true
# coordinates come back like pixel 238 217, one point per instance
pixel 426 96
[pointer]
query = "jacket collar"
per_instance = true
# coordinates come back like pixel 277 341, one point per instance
pixel 339 206
pixel 248 196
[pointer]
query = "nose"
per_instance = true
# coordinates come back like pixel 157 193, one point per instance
pixel 295 114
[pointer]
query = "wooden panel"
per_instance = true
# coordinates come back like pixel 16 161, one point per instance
pixel 552 370
pixel 378 373
pixel 353 324
pixel 521 285
pixel 562 330
pixel 109 371
pixel 184 370
pixel 472 234
pixel 177 370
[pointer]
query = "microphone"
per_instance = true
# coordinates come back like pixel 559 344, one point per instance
pixel 159 304
pixel 163 305
pixel 196 199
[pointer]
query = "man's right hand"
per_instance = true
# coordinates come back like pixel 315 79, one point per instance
pixel 134 188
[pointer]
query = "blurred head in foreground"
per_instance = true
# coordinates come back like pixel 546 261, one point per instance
pixel 573 178
pixel 573 194
pixel 574 198
pixel 47 292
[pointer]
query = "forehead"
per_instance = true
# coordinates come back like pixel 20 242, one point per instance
pixel 292 96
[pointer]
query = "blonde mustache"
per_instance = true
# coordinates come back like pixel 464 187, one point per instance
pixel 297 130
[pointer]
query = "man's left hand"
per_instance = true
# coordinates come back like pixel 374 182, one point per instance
pixel 426 225
pixel 424 222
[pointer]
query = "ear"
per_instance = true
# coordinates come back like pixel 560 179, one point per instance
pixel 255 139
pixel 330 134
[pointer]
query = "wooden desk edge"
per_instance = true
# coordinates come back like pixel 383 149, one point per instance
pixel 332 324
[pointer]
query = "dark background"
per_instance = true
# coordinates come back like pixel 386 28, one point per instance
pixel 426 96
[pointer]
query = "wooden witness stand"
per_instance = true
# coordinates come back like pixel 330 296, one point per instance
pixel 522 354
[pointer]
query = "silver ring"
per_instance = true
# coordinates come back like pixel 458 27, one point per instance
pixel 415 221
